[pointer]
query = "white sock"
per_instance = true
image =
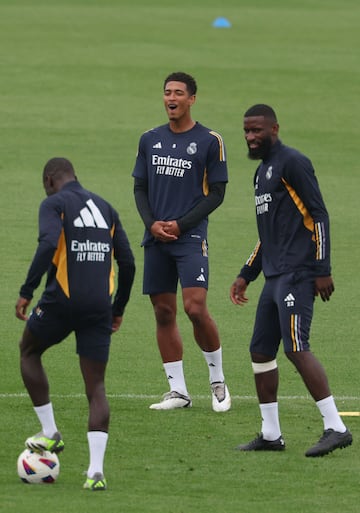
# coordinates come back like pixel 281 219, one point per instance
pixel 270 426
pixel 175 375
pixel 330 415
pixel 97 441
pixel 214 361
pixel 45 414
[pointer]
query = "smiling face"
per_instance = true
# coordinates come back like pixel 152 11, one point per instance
pixel 177 101
pixel 260 134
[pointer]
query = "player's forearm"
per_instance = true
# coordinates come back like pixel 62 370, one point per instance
pixel 38 268
pixel 253 267
pixel 125 282
pixel 142 203
pixel 203 208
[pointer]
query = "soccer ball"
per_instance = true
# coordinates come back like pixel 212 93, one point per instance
pixel 38 467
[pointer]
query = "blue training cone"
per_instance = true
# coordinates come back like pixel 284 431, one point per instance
pixel 221 23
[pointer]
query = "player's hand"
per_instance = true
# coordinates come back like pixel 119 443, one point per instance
pixel 21 307
pixel 172 228
pixel 116 323
pixel 324 287
pixel 237 292
pixel 159 230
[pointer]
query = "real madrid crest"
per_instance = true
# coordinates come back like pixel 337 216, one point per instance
pixel 191 149
pixel 268 174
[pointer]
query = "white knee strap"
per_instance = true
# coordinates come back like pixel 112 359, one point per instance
pixel 259 368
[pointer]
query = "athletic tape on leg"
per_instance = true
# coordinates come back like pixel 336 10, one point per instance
pixel 259 368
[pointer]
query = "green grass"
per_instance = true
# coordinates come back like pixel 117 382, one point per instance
pixel 82 79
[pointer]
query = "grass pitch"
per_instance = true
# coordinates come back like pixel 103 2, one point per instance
pixel 83 79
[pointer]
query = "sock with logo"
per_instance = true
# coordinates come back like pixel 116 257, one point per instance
pixel 175 375
pixel 214 361
pixel 330 415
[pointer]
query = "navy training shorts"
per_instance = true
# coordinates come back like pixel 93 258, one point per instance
pixel 51 324
pixel 167 263
pixel 285 311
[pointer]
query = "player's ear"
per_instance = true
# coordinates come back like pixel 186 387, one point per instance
pixel 275 129
pixel 192 99
pixel 48 183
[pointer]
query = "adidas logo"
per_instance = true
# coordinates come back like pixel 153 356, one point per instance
pixel 201 277
pixel 91 217
pixel 289 300
pixel 157 145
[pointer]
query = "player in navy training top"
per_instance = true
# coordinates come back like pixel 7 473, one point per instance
pixel 180 177
pixel 80 235
pixel 293 251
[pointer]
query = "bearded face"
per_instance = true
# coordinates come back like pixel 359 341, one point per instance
pixel 260 135
pixel 261 150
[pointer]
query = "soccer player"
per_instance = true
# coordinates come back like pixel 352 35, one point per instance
pixel 293 251
pixel 180 178
pixel 79 235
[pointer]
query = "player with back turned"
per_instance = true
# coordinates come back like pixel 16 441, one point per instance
pixel 293 251
pixel 80 234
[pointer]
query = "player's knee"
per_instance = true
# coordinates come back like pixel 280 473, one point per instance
pixel 301 359
pixel 194 310
pixel 29 345
pixel 26 348
pixel 164 314
pixel 260 368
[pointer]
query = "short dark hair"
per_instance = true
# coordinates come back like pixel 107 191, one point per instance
pixel 58 166
pixel 180 76
pixel 260 109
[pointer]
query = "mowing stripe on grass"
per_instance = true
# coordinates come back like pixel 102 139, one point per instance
pixel 149 396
